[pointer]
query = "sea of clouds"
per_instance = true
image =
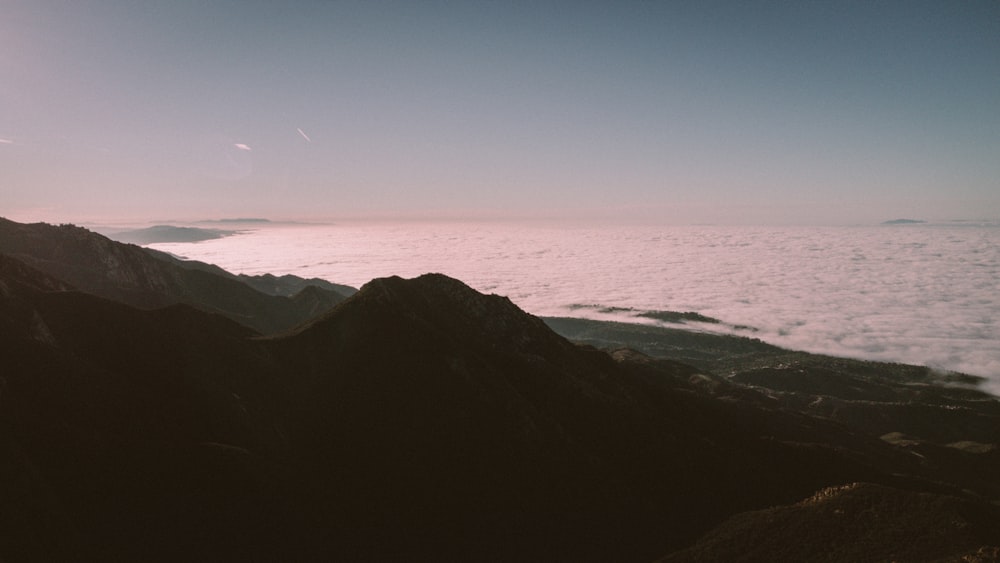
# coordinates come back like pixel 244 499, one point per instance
pixel 922 294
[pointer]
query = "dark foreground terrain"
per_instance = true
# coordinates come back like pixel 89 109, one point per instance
pixel 152 410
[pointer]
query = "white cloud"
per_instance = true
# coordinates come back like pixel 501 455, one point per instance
pixel 925 295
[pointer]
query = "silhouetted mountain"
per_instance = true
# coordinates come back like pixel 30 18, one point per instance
pixel 146 279
pixel 128 434
pixel 500 439
pixel 418 420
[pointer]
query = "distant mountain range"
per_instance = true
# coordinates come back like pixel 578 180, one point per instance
pixel 146 415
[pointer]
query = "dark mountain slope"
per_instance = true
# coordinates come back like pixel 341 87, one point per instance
pixel 129 434
pixel 418 420
pixel 130 274
pixel 471 424
pixel 457 417
pixel 856 522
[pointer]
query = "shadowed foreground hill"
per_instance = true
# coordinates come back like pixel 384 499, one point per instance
pixel 148 279
pixel 127 434
pixel 882 524
pixel 417 420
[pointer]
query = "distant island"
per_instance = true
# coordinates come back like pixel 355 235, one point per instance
pixel 169 233
pixel 238 220
pixel 903 221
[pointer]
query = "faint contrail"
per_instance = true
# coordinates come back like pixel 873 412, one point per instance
pixel 10 142
pixel 242 147
pixel 303 133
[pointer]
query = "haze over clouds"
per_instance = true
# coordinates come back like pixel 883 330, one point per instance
pixel 764 112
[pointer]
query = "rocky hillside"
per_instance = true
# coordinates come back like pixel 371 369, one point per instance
pixel 148 279
pixel 881 524
pixel 421 420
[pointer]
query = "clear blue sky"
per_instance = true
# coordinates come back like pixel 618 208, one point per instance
pixel 746 112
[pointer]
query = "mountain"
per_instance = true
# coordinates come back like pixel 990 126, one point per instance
pixel 489 436
pixel 148 279
pixel 127 433
pixel 419 419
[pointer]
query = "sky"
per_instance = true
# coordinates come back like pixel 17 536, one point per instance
pixel 674 112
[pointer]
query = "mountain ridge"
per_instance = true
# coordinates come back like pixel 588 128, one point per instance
pixel 421 419
pixel 145 279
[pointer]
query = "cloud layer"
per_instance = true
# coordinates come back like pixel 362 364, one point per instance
pixel 924 294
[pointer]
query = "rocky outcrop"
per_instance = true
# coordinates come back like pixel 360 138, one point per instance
pixel 856 522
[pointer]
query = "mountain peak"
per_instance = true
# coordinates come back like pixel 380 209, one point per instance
pixel 445 304
pixel 428 284
pixel 439 290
